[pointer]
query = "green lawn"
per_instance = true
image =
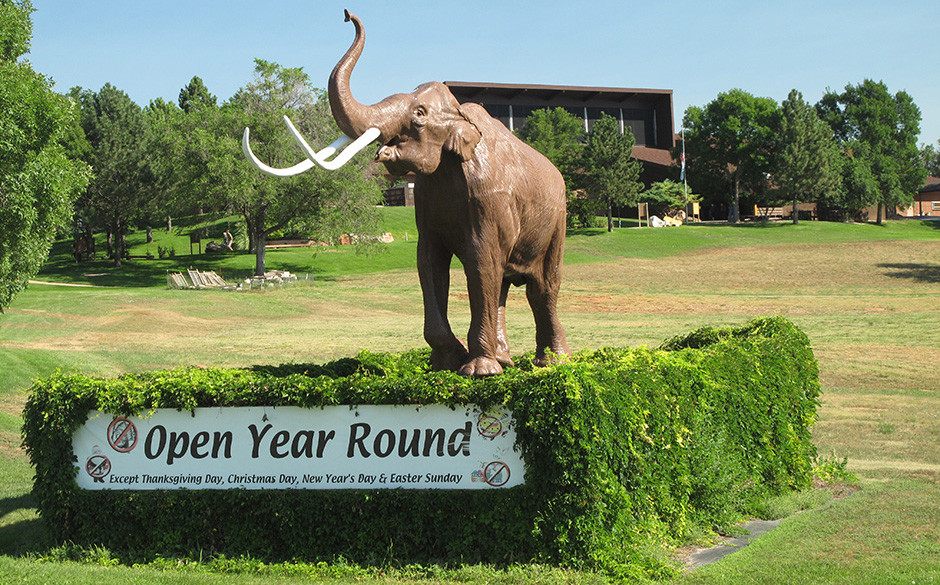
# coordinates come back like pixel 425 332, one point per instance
pixel 866 295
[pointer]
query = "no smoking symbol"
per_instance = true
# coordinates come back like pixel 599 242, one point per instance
pixel 496 473
pixel 122 435
pixel 98 466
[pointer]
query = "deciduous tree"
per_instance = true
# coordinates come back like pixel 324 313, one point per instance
pixel 731 142
pixel 887 125
pixel 931 158
pixel 559 135
pixel 318 202
pixel 38 180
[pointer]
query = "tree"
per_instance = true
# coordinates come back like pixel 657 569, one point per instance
pixel 665 196
pixel 731 143
pixel 887 125
pixel 808 166
pixel 115 129
pixel 38 180
pixel 317 202
pixel 559 135
pixel 931 158
pixel 611 175
pixel 195 95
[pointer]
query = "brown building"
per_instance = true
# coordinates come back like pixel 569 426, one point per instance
pixel 926 201
pixel 647 113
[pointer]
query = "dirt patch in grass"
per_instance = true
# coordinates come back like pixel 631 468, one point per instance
pixel 792 269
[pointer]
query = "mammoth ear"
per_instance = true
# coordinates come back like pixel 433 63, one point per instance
pixel 462 137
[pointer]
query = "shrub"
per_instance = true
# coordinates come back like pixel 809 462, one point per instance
pixel 623 448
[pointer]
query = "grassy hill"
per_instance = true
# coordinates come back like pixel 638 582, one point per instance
pixel 866 295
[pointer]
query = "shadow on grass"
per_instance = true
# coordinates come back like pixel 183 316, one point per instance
pixel 919 272
pixel 139 272
pixel 24 536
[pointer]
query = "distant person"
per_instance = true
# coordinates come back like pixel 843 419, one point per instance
pixel 227 240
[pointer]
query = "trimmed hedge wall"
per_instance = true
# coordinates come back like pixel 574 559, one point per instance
pixel 622 447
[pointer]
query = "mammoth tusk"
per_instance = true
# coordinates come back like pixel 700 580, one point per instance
pixel 288 172
pixel 313 157
pixel 320 157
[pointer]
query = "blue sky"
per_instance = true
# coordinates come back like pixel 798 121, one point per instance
pixel 697 49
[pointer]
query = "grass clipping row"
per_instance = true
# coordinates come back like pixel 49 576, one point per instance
pixel 624 448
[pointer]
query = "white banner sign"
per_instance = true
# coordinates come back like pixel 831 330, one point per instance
pixel 337 447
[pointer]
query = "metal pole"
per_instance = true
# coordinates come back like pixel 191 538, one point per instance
pixel 685 185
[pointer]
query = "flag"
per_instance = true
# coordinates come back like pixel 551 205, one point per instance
pixel 682 159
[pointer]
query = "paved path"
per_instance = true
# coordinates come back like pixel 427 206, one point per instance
pixel 61 283
pixel 705 556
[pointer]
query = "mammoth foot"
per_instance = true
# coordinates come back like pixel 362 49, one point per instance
pixel 550 358
pixel 481 366
pixel 451 358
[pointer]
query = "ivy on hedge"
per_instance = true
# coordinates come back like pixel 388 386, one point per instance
pixel 622 446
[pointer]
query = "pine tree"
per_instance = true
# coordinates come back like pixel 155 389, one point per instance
pixel 808 167
pixel 611 174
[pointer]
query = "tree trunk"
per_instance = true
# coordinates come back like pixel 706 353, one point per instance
pixel 117 244
pixel 149 235
pixel 796 212
pixel 610 216
pixel 250 228
pixel 736 206
pixel 879 214
pixel 260 240
pixel 260 237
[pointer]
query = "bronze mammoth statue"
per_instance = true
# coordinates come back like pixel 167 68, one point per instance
pixel 480 194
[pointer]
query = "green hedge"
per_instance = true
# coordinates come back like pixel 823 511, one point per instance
pixel 622 447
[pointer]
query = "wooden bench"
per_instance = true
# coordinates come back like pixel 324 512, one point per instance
pixel 766 212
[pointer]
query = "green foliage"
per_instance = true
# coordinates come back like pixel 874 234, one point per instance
pixel 559 135
pixel 611 174
pixel 114 128
pixel 879 130
pixel 197 151
pixel 931 159
pixel 38 180
pixel 730 144
pixel 667 195
pixel 623 447
pixel 808 166
pixel 195 95
pixel 16 29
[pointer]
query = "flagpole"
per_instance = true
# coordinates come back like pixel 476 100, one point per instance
pixel 685 187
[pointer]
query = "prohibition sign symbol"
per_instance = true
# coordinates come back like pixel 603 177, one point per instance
pixel 489 426
pixel 122 435
pixel 496 473
pixel 98 466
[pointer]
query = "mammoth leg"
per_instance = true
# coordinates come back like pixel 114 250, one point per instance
pixel 447 352
pixel 542 293
pixel 484 285
pixel 502 340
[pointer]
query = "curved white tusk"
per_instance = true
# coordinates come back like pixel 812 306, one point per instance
pixel 288 172
pixel 321 157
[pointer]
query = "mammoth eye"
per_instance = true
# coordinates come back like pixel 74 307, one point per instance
pixel 421 115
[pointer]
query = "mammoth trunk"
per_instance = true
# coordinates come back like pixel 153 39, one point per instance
pixel 352 117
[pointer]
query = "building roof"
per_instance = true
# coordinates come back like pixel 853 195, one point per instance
pixel 550 92
pixel 930 185
pixel 656 156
